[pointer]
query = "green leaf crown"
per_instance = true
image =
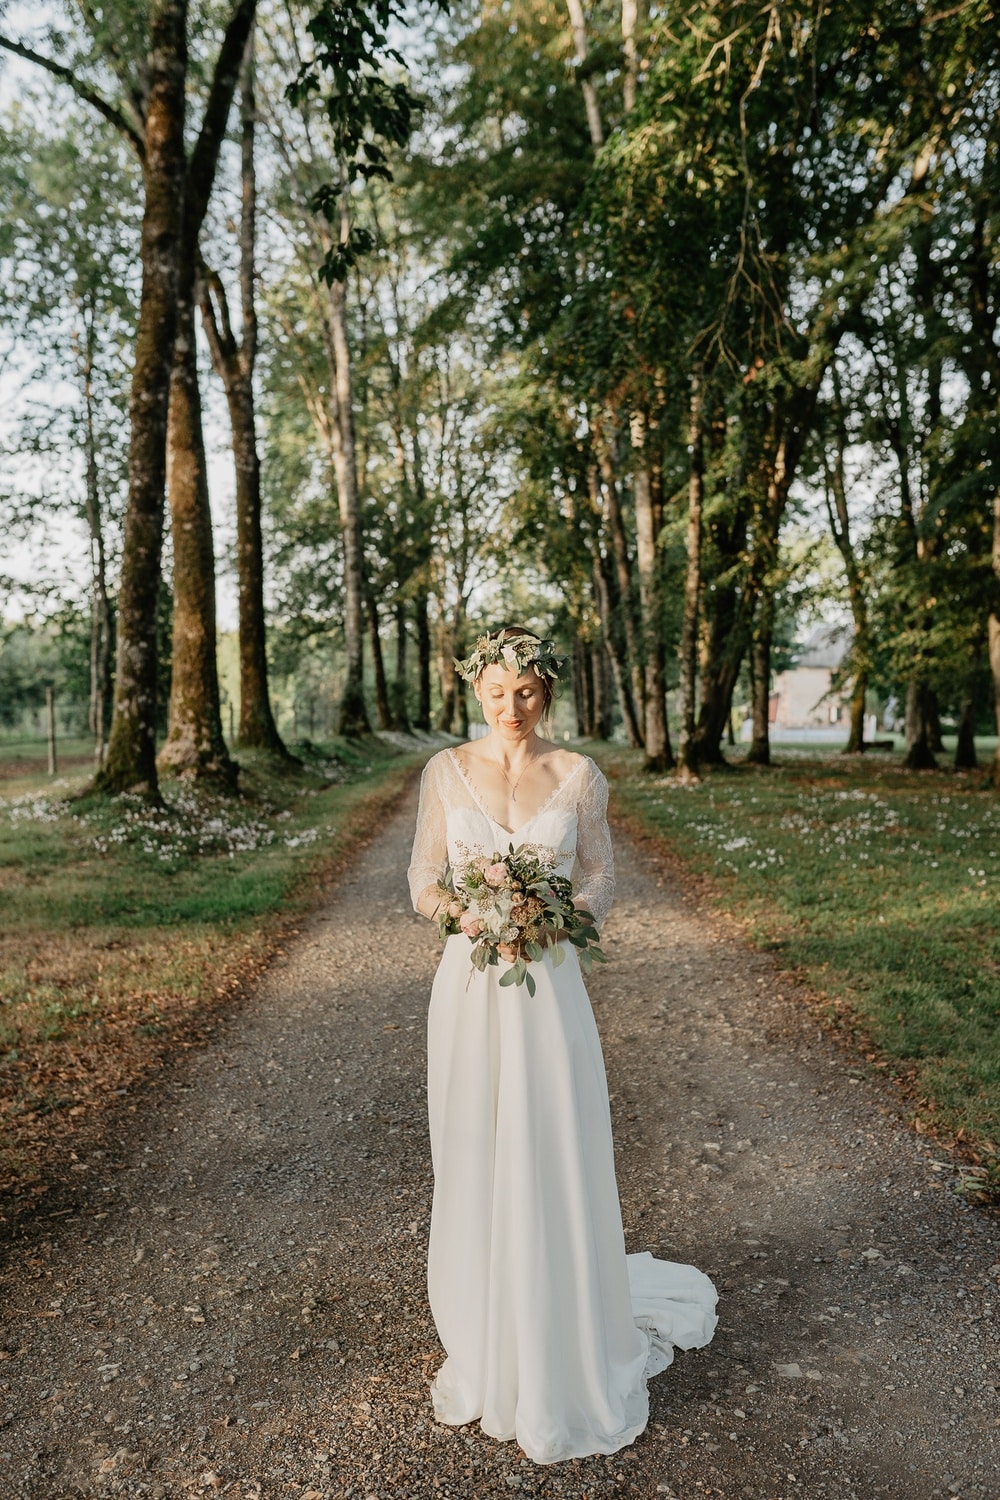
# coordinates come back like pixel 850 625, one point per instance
pixel 512 650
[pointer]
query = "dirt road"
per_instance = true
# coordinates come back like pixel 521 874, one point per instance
pixel 231 1301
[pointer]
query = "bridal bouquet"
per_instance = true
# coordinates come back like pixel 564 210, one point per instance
pixel 512 901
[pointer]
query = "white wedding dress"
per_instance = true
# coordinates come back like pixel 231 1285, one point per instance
pixel 550 1330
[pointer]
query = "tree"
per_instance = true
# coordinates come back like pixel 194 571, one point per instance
pixel 68 264
pixel 131 758
pixel 234 358
pixel 195 745
pixel 151 117
pixel 367 114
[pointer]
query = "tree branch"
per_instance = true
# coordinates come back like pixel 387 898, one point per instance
pixel 126 127
pixel 220 340
pixel 204 157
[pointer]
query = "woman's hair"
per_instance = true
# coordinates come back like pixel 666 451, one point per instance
pixel 514 647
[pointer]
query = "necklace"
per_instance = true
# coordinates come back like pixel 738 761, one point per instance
pixel 513 784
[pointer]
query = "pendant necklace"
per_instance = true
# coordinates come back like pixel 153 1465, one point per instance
pixel 512 784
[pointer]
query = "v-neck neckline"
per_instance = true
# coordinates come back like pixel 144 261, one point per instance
pixel 477 796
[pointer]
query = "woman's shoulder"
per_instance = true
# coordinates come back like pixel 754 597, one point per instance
pixel 576 771
pixel 574 759
pixel 441 760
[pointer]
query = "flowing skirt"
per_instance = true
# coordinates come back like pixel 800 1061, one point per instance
pixel 550 1330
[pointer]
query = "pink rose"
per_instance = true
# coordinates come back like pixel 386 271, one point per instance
pixel 471 925
pixel 495 875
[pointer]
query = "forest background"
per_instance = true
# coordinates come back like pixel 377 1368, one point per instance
pixel 671 330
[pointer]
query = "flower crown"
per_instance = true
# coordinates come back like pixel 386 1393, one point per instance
pixel 515 652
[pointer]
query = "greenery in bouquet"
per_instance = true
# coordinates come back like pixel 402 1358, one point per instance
pixel 514 902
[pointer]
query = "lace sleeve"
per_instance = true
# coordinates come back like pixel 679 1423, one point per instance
pixel 429 858
pixel 594 854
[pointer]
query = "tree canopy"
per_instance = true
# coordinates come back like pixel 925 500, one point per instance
pixel 674 328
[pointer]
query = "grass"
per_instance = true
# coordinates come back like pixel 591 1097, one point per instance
pixel 881 888
pixel 27 758
pixel 123 928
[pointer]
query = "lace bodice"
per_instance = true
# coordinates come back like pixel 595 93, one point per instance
pixel 571 827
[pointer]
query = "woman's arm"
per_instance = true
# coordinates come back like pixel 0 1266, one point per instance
pixel 429 858
pixel 594 854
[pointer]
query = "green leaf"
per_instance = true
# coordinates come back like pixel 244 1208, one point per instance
pixel 529 981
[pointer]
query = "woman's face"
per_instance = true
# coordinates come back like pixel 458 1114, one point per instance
pixel 512 705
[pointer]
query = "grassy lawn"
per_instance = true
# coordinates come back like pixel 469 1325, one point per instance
pixel 882 888
pixel 123 928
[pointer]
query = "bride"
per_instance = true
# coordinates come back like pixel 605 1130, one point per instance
pixel 549 1328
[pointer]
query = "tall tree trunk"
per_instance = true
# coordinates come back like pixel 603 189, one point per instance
pixel 657 744
pixel 234 361
pixel 400 695
pixel 840 528
pixel 919 727
pixel 461 708
pixel 965 748
pixel 935 736
pixel 609 611
pixel 982 312
pixel 195 745
pixel 600 671
pixel 353 715
pixel 721 659
pixel 461 702
pixel 688 749
pixel 423 718
pixel 447 677
pixel 583 688
pixel 383 708
pixel 993 629
pixel 721 647
pixel 605 595
pixel 758 596
pixel 859 695
pixel 760 745
pixel 630 693
pixel 100 605
pixel 130 764
pixel 614 525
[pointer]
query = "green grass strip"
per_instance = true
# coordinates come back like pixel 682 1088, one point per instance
pixel 124 927
pixel 881 887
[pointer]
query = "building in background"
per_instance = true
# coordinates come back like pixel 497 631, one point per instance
pixel 804 703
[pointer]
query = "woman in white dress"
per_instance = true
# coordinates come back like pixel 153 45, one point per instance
pixel 550 1330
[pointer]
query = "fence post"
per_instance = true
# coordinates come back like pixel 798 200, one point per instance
pixel 50 709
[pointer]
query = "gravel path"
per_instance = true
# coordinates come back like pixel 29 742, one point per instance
pixel 232 1302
